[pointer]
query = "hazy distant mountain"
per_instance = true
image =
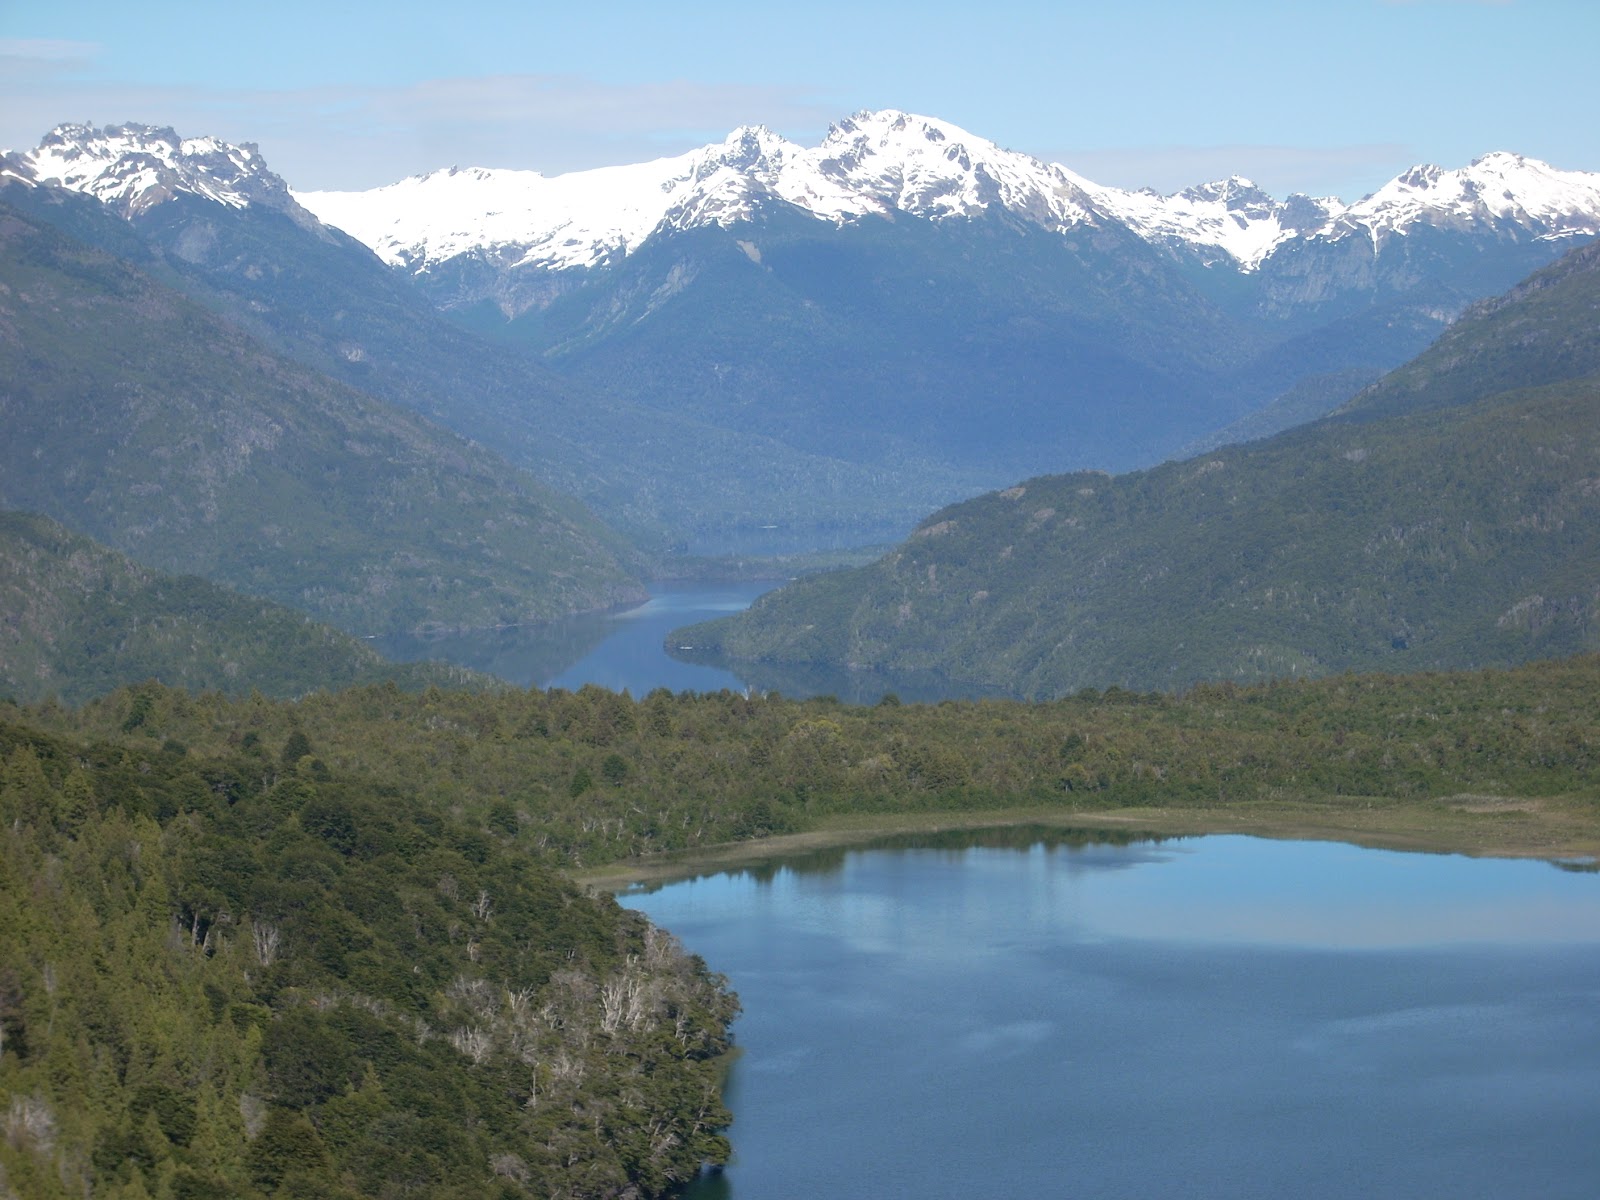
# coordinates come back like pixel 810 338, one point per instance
pixel 1440 521
pixel 141 419
pixel 930 297
pixel 81 619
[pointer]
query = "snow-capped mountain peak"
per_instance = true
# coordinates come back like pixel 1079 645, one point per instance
pixel 755 148
pixel 1235 191
pixel 898 161
pixel 133 168
pixel 1495 189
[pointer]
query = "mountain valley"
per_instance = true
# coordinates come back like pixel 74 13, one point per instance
pixel 1186 514
pixel 138 417
pixel 826 342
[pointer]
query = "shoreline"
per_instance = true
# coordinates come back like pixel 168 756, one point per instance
pixel 1553 830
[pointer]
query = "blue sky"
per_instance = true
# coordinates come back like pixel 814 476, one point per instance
pixel 1329 97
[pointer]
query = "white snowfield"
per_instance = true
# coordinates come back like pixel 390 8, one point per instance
pixel 874 163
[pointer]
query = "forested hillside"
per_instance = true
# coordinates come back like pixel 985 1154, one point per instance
pixel 1541 331
pixel 253 973
pixel 81 619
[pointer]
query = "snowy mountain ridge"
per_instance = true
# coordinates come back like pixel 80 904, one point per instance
pixel 1499 188
pixel 870 164
pixel 889 161
pixel 132 168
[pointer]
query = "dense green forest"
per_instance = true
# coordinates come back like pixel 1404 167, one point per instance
pixel 592 776
pixel 325 947
pixel 251 973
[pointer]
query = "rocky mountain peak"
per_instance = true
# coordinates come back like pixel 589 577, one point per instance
pixel 1236 192
pixel 133 168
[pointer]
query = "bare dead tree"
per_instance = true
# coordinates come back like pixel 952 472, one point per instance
pixel 267 940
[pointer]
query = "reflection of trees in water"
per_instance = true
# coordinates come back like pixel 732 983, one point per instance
pixel 1001 837
pixel 713 1184
pixel 830 860
pixel 519 654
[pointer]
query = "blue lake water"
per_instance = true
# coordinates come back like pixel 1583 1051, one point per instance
pixel 614 650
pixel 628 649
pixel 1215 1017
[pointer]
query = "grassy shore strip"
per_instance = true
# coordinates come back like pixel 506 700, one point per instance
pixel 1557 829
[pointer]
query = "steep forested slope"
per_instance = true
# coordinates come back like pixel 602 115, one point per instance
pixel 1544 330
pixel 141 419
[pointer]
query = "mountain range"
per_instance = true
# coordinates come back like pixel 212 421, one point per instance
pixel 1447 517
pixel 955 306
pixel 881 164
pixel 824 343
pixel 179 209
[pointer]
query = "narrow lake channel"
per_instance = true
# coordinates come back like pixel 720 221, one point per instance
pixel 627 650
pixel 617 650
pixel 1214 1017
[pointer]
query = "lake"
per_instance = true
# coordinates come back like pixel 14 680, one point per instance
pixel 1215 1017
pixel 616 650
pixel 627 649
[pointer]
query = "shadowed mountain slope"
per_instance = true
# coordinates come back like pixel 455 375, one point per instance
pixel 140 418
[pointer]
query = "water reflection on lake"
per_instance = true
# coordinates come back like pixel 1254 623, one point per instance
pixel 1217 1017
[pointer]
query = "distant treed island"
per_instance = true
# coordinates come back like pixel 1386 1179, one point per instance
pixel 281 918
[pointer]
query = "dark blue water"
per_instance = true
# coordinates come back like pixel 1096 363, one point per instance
pixel 1221 1017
